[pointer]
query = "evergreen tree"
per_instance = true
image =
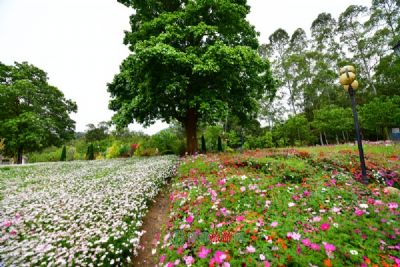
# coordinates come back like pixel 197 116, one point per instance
pixel 219 144
pixel 203 145
pixel 63 154
pixel 90 152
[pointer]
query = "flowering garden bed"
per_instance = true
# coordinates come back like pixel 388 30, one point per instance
pixel 77 213
pixel 283 208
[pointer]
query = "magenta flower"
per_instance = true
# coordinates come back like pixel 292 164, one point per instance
pixel 314 246
pixel 203 252
pixel 162 258
pixel 306 242
pixel 219 257
pixel 359 212
pixel 325 226
pixel 169 264
pixel 239 218
pixel 267 264
pixel 329 247
pixel 306 193
pixel 392 205
pixel 189 219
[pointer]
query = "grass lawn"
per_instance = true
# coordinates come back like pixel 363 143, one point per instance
pixel 297 207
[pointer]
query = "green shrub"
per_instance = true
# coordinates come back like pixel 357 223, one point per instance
pixel 113 151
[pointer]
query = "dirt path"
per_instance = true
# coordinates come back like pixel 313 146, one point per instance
pixel 156 217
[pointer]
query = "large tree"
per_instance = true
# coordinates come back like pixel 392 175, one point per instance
pixel 33 114
pixel 191 61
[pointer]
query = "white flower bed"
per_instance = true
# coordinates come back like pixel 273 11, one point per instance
pixel 78 213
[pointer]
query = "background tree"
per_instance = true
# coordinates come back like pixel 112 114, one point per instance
pixel 191 61
pixel 33 114
pixel 359 39
pixel 98 133
pixel 381 114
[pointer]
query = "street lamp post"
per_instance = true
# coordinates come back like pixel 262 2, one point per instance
pixel 350 84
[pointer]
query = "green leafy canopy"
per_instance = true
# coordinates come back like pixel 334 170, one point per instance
pixel 199 55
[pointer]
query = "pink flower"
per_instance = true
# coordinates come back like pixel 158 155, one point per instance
pixel 203 252
pixel 306 242
pixel 371 201
pixel 189 260
pixel 222 182
pixel 306 193
pixel 325 226
pixel 294 235
pixel 267 264
pixel 250 249
pixel 240 218
pixel 392 205
pixel 336 209
pixel 316 219
pixel 162 258
pixel 219 257
pixel 359 212
pixel 169 264
pixel 329 247
pixel 274 224
pixel 224 211
pixel 7 224
pixel 189 219
pixel 242 189
pixel 314 246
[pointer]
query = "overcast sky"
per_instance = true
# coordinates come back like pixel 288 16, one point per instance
pixel 79 42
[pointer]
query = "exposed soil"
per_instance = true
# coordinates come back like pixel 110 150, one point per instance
pixel 155 219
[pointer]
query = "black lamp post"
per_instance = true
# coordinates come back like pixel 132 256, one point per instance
pixel 396 49
pixel 350 84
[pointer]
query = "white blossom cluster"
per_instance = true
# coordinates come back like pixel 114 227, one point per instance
pixel 77 213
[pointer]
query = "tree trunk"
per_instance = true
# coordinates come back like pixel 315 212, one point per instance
pixel 386 133
pixel 326 139
pixel 320 139
pixel 344 137
pixel 191 131
pixel 20 154
pixel 337 139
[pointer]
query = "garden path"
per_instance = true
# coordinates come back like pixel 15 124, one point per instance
pixel 153 222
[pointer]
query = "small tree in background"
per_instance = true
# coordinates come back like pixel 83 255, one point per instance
pixel 63 154
pixel 203 145
pixel 219 144
pixel 90 152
